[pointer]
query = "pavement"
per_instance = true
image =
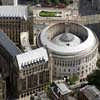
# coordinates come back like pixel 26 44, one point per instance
pixel 71 98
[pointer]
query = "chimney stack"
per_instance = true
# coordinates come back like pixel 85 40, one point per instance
pixel 15 2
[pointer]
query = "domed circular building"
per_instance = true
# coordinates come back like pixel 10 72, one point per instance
pixel 73 47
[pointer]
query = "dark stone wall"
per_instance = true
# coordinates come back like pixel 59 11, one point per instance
pixel 95 28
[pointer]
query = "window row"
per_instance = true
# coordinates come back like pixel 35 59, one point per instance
pixel 81 70
pixel 34 81
pixel 34 69
pixel 60 62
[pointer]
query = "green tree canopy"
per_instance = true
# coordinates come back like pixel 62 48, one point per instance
pixel 98 63
pixel 57 2
pixel 36 1
pixel 48 1
pixel 73 78
pixel 94 78
pixel 67 2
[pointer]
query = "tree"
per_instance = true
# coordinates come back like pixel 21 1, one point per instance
pixel 73 78
pixel 67 2
pixel 48 1
pixel 36 1
pixel 98 63
pixel 94 78
pixel 32 98
pixel 47 89
pixel 56 1
pixel 99 47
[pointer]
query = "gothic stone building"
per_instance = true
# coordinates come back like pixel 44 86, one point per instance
pixel 24 73
pixel 14 20
pixel 33 71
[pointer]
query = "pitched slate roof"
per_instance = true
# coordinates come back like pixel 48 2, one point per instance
pixel 32 57
pixel 8 45
pixel 14 11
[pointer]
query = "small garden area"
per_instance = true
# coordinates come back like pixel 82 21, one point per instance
pixel 49 14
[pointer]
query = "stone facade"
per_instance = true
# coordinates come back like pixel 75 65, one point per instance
pixel 34 73
pixel 96 4
pixel 13 26
pixel 67 61
pixel 7 2
pixel 2 89
pixel 81 66
pixel 33 80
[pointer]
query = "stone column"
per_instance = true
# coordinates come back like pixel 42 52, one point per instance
pixel 50 65
pixel 38 79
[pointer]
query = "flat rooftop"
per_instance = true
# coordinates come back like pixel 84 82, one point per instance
pixel 91 92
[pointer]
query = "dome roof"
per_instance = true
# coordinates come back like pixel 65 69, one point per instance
pixel 88 40
pixel 66 37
